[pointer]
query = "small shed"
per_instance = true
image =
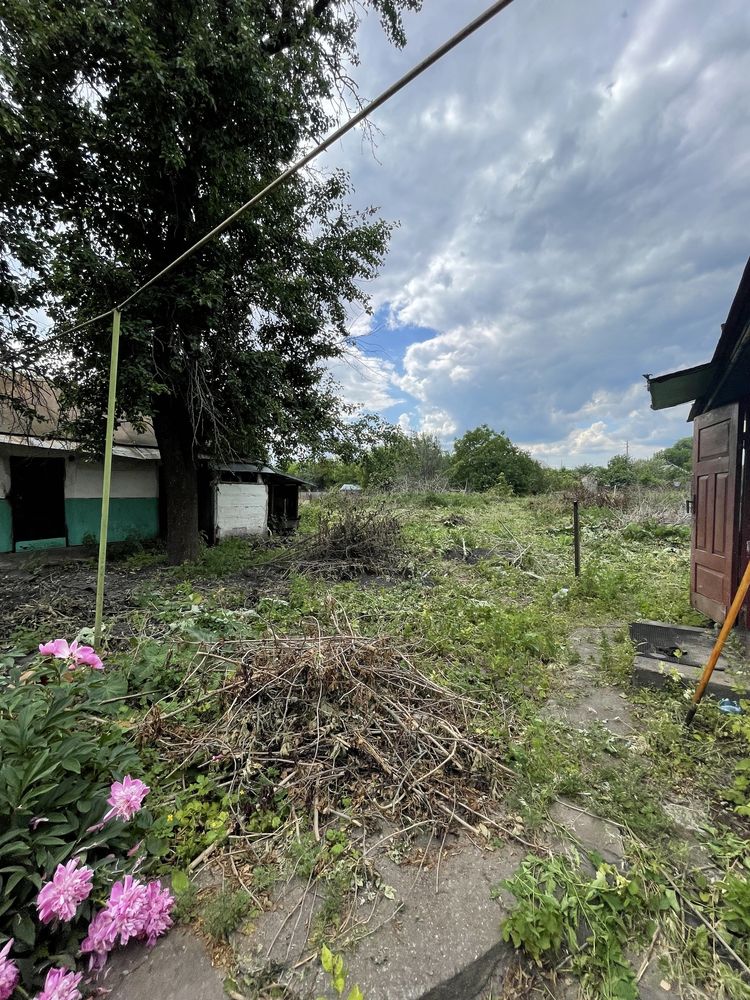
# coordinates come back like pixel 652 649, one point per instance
pixel 720 501
pixel 51 494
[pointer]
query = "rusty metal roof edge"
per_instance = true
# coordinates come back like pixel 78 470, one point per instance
pixel 139 452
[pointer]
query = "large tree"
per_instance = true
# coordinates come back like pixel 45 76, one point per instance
pixel 128 128
pixel 482 458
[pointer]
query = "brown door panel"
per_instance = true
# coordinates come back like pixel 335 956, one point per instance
pixel 716 491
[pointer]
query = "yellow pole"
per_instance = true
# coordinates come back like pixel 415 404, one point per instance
pixel 107 480
pixel 726 628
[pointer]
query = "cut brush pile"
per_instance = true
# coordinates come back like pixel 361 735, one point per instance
pixel 341 724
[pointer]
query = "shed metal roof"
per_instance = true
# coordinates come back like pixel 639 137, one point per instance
pixel 679 387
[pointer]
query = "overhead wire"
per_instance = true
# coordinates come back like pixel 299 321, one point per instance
pixel 460 36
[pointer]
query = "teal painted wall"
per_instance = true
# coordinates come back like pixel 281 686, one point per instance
pixel 6 527
pixel 129 517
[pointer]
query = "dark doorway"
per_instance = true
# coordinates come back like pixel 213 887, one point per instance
pixel 283 507
pixel 37 495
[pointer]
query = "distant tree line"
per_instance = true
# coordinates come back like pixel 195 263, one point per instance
pixel 380 455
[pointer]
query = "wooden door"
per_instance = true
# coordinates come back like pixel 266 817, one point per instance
pixel 716 483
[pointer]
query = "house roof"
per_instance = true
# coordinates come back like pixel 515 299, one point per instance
pixel 267 471
pixel 38 421
pixel 724 378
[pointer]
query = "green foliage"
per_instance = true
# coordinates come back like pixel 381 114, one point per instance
pixel 59 753
pixel 226 912
pixel 734 910
pixel 333 965
pixel 405 461
pixel 739 791
pixel 619 472
pixel 680 454
pixel 595 920
pixel 199 817
pixel 124 139
pixel 481 456
pixel 650 530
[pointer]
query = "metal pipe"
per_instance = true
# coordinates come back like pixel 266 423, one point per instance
pixel 726 628
pixel 107 479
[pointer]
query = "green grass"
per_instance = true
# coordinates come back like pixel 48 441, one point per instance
pixel 497 627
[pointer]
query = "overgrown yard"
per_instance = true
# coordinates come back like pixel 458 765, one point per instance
pixel 417 661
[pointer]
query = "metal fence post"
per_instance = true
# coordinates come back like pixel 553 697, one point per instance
pixel 107 479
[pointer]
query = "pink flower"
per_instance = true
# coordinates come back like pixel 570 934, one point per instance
pixel 56 647
pixel 100 939
pixel 61 985
pixel 133 910
pixel 77 655
pixel 87 656
pixel 126 908
pixel 126 798
pixel 8 972
pixel 157 910
pixel 69 887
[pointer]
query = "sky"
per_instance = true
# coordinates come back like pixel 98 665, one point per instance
pixel 572 199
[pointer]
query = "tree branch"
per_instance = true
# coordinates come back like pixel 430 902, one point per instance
pixel 290 31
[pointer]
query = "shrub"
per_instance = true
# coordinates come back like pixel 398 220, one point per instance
pixel 59 752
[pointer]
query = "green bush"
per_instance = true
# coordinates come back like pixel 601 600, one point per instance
pixel 58 756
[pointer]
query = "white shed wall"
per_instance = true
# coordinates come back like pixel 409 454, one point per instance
pixel 241 509
pixel 83 480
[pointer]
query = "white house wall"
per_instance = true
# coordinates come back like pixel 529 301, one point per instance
pixel 130 479
pixel 241 509
pixel 134 507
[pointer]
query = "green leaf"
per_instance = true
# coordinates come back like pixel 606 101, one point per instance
pixel 355 994
pixel 326 959
pixel 180 882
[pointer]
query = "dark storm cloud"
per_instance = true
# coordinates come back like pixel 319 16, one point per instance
pixel 572 191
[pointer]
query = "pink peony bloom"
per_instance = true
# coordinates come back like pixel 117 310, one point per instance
pixel 61 896
pixel 56 647
pixel 100 939
pixel 134 910
pixel 87 656
pixel 126 798
pixel 8 972
pixel 126 908
pixel 61 985
pixel 76 654
pixel 157 912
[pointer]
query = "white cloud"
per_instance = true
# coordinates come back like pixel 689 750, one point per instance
pixel 365 381
pixel 571 185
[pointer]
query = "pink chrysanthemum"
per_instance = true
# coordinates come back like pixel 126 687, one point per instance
pixel 126 908
pixel 61 985
pixel 60 897
pixel 157 910
pixel 126 798
pixel 8 972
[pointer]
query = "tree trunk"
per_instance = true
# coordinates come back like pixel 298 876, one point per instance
pixel 174 435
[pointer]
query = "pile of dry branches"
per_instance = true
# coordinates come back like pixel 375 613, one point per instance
pixel 355 536
pixel 341 723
